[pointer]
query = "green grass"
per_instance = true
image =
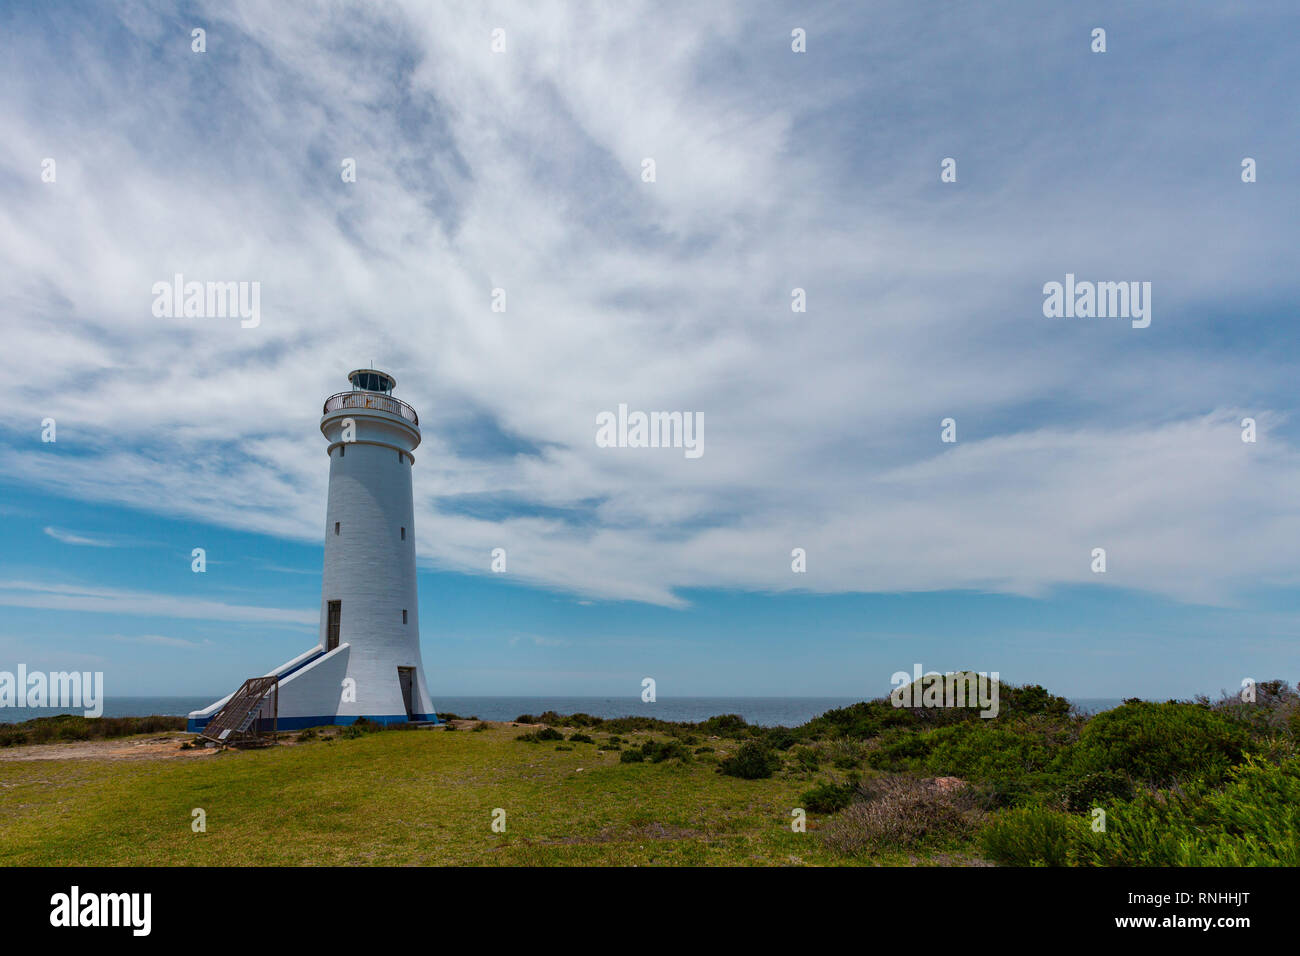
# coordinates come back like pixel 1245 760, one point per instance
pixel 423 798
pixel 1182 783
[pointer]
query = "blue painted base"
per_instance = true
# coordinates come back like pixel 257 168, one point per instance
pixel 194 725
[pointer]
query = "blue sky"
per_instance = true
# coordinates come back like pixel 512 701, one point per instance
pixel 521 170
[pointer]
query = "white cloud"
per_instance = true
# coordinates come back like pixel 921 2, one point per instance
pixel 72 597
pixel 521 170
pixel 71 537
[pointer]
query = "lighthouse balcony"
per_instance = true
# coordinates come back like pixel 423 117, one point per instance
pixel 374 400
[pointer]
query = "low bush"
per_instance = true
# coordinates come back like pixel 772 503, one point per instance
pixel 1253 820
pixel 1101 787
pixel 537 736
pixel 1158 744
pixel 1004 750
pixel 829 797
pixel 806 758
pixel 779 738
pixel 1033 836
pixel 724 725
pixel 899 750
pixel 1271 719
pixel 656 751
pixel 359 728
pixel 900 811
pixel 43 730
pixel 848 754
pixel 753 761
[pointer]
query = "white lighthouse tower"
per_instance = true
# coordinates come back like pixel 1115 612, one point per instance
pixel 367 663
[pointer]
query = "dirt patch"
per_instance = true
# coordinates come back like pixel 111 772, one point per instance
pixel 150 748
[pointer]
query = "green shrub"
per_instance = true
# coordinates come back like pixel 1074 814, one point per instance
pixel 1254 820
pixel 780 738
pixel 581 738
pixel 359 728
pixel 753 761
pixel 872 718
pixel 1010 749
pixel 656 752
pixel 829 797
pixel 1030 700
pixel 860 721
pixel 481 726
pixel 553 719
pixel 1272 719
pixel 626 725
pixel 1001 794
pixel 41 730
pixel 899 750
pixel 537 736
pixel 1158 744
pixel 847 753
pixel 805 758
pixel 1099 788
pixel 725 725
pixel 1032 836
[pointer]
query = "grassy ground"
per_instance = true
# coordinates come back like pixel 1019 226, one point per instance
pixel 1192 783
pixel 405 797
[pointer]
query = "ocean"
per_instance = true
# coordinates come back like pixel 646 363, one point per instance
pixel 763 711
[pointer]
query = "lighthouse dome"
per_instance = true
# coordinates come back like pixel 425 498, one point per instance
pixel 372 380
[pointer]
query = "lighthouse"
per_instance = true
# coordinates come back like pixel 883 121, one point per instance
pixel 367 662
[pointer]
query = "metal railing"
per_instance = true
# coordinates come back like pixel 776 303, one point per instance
pixel 241 715
pixel 363 399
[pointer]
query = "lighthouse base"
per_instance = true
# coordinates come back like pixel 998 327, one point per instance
pixel 312 692
pixel 195 724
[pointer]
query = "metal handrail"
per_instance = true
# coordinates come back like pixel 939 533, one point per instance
pixel 363 399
